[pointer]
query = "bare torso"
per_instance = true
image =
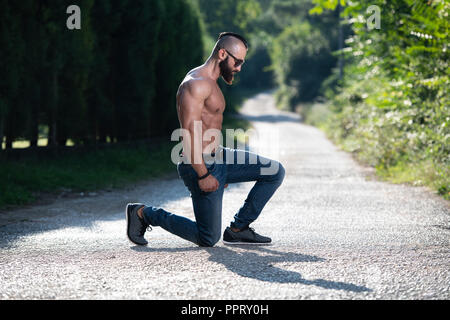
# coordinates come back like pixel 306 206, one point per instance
pixel 213 106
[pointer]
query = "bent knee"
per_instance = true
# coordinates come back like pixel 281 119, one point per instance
pixel 208 241
pixel 278 176
pixel 273 171
pixel 281 173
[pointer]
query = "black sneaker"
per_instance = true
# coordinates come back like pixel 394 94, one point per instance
pixel 245 236
pixel 136 226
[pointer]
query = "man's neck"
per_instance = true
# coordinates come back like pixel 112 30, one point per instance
pixel 213 68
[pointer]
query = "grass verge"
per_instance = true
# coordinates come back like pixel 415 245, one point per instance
pixel 23 181
pixel 424 172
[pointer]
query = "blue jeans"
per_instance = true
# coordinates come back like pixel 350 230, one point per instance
pixel 235 166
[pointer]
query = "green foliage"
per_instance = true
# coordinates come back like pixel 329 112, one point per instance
pixel 256 71
pixel 231 15
pixel 326 4
pixel 392 109
pixel 302 60
pixel 301 51
pixel 282 53
pixel 248 18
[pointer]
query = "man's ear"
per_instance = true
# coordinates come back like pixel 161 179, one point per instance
pixel 222 54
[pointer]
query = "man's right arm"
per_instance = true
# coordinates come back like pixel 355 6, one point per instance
pixel 192 102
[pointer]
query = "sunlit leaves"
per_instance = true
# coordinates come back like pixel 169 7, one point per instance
pixel 393 108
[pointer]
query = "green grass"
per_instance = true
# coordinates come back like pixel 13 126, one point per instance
pixel 423 173
pixel 24 181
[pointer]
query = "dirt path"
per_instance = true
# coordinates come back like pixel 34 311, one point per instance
pixel 337 235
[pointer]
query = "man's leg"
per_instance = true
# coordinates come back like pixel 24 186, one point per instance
pixel 247 166
pixel 206 230
pixel 178 225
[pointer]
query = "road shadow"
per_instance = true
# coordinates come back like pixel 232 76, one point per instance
pixel 257 262
pixel 250 264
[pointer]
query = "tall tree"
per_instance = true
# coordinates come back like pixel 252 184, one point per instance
pixel 181 31
pixel 11 55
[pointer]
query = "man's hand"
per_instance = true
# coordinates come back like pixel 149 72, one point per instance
pixel 209 184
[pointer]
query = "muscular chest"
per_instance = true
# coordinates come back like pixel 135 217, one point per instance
pixel 215 104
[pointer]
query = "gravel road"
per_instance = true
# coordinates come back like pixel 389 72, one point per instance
pixel 338 233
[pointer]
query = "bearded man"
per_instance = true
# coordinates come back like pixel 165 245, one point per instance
pixel 200 107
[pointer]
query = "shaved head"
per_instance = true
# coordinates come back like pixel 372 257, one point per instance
pixel 230 51
pixel 230 41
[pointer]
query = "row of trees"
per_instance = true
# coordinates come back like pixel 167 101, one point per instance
pixel 113 80
pixel 116 78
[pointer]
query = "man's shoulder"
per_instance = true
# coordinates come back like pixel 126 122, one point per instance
pixel 200 87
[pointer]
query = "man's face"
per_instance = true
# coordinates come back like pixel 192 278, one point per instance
pixel 228 68
pixel 226 71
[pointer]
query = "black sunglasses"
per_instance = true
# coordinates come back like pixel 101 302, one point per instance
pixel 237 62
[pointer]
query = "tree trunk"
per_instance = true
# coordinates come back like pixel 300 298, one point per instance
pixel 52 134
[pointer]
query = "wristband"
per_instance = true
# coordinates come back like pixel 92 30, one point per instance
pixel 204 176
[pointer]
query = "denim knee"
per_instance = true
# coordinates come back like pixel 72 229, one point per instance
pixel 209 241
pixel 278 177
pixel 281 173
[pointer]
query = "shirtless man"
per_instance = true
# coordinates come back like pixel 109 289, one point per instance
pixel 200 106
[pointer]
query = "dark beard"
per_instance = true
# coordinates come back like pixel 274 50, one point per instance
pixel 226 72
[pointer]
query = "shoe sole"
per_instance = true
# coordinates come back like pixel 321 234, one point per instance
pixel 127 215
pixel 247 243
